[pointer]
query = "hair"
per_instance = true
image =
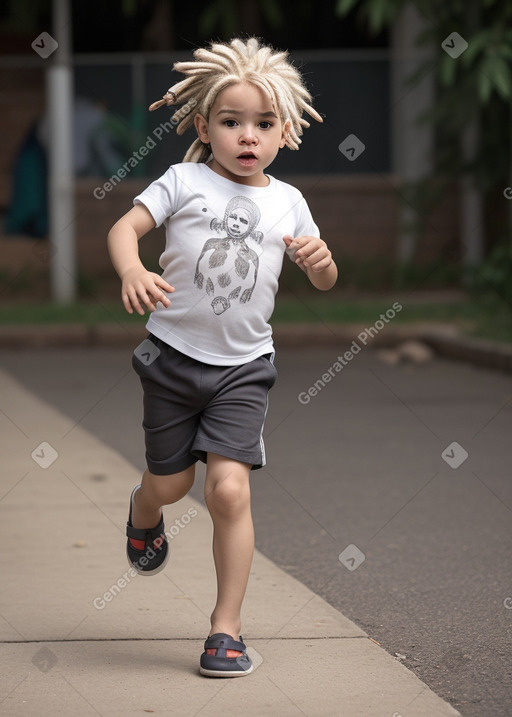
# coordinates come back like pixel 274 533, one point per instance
pixel 224 64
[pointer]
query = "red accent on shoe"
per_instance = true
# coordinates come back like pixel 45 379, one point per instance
pixel 229 653
pixel 137 544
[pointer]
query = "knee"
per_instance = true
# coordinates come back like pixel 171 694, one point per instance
pixel 168 489
pixel 229 496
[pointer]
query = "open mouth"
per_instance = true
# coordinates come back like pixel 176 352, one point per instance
pixel 247 158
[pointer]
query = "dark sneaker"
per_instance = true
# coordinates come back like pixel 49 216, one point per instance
pixel 147 549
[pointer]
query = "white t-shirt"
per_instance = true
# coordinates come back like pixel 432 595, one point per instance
pixel 223 255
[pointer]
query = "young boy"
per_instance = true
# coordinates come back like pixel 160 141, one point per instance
pixel 209 366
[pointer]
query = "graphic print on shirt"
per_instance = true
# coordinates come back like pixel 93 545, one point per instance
pixel 227 267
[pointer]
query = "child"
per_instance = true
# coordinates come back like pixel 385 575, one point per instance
pixel 209 365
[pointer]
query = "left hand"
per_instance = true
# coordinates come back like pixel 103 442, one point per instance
pixel 311 252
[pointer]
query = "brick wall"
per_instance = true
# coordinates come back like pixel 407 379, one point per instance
pixel 358 217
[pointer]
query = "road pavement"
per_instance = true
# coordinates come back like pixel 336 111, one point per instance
pixel 387 496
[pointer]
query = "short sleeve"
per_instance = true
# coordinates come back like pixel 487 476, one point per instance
pixel 161 197
pixel 305 225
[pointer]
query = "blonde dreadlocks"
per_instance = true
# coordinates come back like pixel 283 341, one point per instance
pixel 224 64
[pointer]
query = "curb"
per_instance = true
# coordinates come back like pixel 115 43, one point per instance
pixel 480 352
pixel 32 336
pixel 445 339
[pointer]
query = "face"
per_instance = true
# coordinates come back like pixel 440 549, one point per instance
pixel 244 132
pixel 238 223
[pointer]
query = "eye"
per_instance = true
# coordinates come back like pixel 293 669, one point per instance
pixel 230 123
pixel 265 124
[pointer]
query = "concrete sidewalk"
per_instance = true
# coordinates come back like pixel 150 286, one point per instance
pixel 81 636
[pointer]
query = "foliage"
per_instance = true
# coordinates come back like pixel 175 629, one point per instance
pixel 23 16
pixel 296 307
pixel 492 282
pixel 225 15
pixel 473 89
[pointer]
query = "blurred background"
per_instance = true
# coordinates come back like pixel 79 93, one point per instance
pixel 410 181
pixel 424 211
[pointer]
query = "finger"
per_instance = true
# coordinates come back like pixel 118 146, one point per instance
pixel 314 257
pixel 287 239
pixel 154 295
pixel 161 296
pixel 304 255
pixel 126 303
pixel 306 246
pixel 310 246
pixel 164 285
pixel 147 299
pixel 134 301
pixel 302 241
pixel 163 299
pixel 322 264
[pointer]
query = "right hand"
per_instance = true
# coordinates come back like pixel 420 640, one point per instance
pixel 140 285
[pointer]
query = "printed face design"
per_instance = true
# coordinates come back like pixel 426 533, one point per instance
pixel 227 267
pixel 238 223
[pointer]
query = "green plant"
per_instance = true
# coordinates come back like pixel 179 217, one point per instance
pixel 472 108
pixel 473 91
pixel 230 15
pixel 491 282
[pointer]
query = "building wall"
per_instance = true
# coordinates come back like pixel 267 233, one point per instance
pixel 357 216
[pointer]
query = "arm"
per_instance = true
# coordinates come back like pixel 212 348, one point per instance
pixel 136 282
pixel 313 257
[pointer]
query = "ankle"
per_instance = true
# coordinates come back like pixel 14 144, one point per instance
pixel 228 628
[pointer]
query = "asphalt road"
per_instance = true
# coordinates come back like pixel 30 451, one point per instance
pixel 373 468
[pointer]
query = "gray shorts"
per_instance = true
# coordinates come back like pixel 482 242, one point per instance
pixel 192 408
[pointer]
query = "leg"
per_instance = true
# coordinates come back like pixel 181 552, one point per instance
pixel 227 495
pixel 156 491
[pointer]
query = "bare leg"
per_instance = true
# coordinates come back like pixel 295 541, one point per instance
pixel 156 491
pixel 227 495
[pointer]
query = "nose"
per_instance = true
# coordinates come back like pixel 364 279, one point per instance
pixel 247 135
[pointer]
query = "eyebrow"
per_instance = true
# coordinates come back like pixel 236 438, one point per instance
pixel 239 112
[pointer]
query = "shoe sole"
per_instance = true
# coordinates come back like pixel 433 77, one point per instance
pixel 148 573
pixel 225 673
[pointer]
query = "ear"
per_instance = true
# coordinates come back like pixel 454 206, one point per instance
pixel 201 126
pixel 286 131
